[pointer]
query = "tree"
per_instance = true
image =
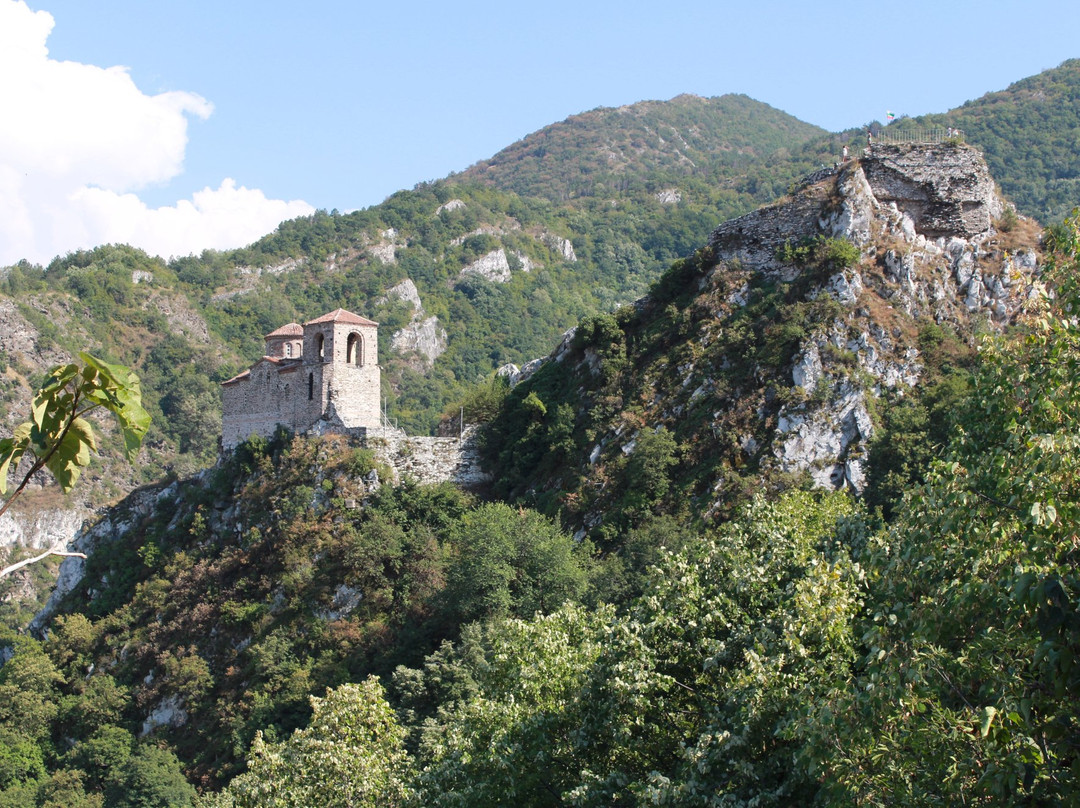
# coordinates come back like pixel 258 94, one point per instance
pixel 351 755
pixel 510 562
pixel 510 740
pixel 696 696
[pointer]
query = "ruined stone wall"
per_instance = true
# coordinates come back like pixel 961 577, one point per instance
pixel 430 460
pixel 946 189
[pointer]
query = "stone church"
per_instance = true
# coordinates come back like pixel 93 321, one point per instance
pixel 324 372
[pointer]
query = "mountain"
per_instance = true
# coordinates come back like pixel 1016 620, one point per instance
pixel 467 274
pixel 704 143
pixel 793 353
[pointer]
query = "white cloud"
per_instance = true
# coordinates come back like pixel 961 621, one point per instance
pixel 77 141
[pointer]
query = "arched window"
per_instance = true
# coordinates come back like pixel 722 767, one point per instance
pixel 319 347
pixel 354 349
pixel 311 387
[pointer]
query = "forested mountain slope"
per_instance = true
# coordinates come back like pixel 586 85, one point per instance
pixel 689 142
pixel 465 274
pixel 776 656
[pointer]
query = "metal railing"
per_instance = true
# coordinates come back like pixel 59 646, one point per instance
pixel 932 135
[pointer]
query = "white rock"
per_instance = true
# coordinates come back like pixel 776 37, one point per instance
pixel 427 338
pixel 453 204
pixel 406 292
pixel 807 370
pixel 494 267
pixel 170 712
pixel 560 245
pixel 346 599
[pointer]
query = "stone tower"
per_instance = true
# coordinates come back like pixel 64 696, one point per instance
pixel 323 372
pixel 340 363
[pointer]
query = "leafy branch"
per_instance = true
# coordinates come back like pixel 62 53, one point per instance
pixel 58 435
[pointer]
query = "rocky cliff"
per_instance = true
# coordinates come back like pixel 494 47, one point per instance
pixel 773 351
pixel 923 218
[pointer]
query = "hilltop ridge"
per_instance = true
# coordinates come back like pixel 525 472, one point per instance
pixel 644 146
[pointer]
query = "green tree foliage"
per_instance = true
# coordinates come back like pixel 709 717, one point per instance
pixel 511 740
pixel 694 697
pixel 510 562
pixel 150 778
pixel 59 436
pixel 351 755
pixel 917 426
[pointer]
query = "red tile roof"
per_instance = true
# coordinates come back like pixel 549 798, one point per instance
pixel 342 316
pixel 289 330
pixel 239 377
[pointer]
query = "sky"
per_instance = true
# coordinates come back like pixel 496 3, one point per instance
pixel 182 125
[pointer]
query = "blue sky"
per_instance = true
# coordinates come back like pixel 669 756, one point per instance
pixel 271 109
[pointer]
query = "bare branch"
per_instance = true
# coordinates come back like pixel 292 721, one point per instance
pixel 26 561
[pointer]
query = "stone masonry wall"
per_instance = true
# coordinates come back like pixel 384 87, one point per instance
pixel 430 460
pixel 269 396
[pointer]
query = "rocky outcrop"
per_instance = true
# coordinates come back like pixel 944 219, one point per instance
pixel 169 713
pixel 406 292
pixel 286 266
pixel 560 245
pixel 453 204
pixel 494 267
pixel 116 523
pixel 424 335
pixel 923 217
pixel 386 249
pixel 945 189
pixel 50 527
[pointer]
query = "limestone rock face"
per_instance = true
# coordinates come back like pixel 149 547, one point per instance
pixel 453 204
pixel 406 292
pixel 52 527
pixel 560 245
pixel 423 335
pixel 386 248
pixel 169 712
pixel 117 523
pixel 945 189
pixel 494 267
pixel 939 191
pixel 426 337
pixel 828 442
pixel 923 217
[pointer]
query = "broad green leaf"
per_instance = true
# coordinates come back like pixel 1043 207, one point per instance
pixel 11 452
pixel 72 454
